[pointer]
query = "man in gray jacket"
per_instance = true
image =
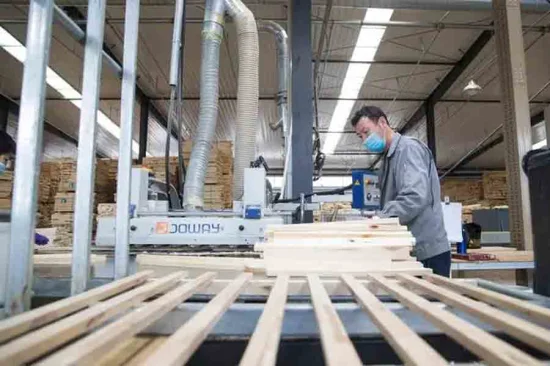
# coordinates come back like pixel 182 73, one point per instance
pixel 409 186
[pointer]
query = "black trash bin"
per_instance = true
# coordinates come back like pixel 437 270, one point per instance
pixel 536 165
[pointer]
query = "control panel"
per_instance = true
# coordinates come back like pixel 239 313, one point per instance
pixel 365 190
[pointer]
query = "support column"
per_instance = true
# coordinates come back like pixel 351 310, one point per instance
pixel 143 128
pixel 547 124
pixel 4 113
pixel 85 168
pixel 430 128
pixel 517 125
pixel 29 149
pixel 301 100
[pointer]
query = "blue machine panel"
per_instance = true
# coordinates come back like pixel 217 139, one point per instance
pixel 365 190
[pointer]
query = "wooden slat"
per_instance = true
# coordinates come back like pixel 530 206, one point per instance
pixel 25 322
pixel 483 344
pixel 91 347
pixel 408 345
pixel 263 346
pixel 41 341
pixel 180 346
pixel 337 347
pixel 534 312
pixel 523 330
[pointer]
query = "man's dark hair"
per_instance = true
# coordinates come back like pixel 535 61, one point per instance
pixel 372 112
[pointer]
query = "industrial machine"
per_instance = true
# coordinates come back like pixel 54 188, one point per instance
pixel 151 222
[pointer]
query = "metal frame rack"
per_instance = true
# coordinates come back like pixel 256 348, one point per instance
pixel 84 328
pixel 29 143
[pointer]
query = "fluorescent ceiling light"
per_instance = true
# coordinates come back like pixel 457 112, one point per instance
pixel 367 44
pixel 15 48
pixel 540 144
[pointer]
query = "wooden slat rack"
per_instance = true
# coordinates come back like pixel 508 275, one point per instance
pixel 107 325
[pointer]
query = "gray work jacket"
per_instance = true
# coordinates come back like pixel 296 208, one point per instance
pixel 410 191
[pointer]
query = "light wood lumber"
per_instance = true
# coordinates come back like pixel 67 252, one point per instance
pixel 180 346
pixel 263 346
pixel 209 263
pixel 531 334
pixel 337 347
pixel 366 224
pixel 483 344
pixel 535 312
pixel 35 344
pixel 25 322
pixel 120 354
pixel 408 345
pixel 88 349
pixel 274 236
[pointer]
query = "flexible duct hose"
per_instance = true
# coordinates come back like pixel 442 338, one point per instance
pixel 284 70
pixel 212 36
pixel 247 94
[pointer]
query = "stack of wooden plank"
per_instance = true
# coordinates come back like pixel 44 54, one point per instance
pixel 47 189
pixel 6 188
pixel 218 192
pixel 462 190
pixel 495 187
pixel 158 166
pixel 357 247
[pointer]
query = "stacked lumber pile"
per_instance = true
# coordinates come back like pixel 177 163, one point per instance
pixel 332 211
pixel 6 188
pixel 47 189
pixel 353 247
pixel 218 190
pixel 158 166
pixel 495 187
pixel 466 191
pixel 106 209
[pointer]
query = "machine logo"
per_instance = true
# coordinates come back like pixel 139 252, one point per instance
pixel 168 228
pixel 162 228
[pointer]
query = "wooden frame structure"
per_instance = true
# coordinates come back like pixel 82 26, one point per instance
pixel 84 328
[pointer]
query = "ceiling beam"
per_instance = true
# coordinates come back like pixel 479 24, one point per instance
pixel 14 108
pixel 537 118
pixel 449 79
pixel 76 15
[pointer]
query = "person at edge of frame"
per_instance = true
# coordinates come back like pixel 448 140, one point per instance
pixel 409 186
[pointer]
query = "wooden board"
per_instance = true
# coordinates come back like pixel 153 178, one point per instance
pixel 531 334
pixel 483 344
pixel 91 347
pixel 337 347
pixel 264 343
pixel 179 347
pixel 22 323
pixel 408 345
pixel 33 345
pixel 535 312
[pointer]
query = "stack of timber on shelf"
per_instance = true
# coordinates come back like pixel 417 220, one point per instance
pixel 103 325
pixel 158 166
pixel 64 201
pixel 357 247
pixel 47 189
pixel 464 190
pixel 218 190
pixel 332 211
pixel 6 188
pixel 495 188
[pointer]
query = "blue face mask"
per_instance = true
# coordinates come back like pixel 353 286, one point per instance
pixel 374 143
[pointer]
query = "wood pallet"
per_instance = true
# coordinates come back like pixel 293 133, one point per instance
pixel 84 329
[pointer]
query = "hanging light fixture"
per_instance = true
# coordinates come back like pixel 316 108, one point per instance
pixel 471 89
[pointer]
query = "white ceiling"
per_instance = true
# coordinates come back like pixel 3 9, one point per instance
pixel 459 126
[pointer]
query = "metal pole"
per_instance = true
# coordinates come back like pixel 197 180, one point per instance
pixel 143 128
pixel 301 100
pixel 29 148
pixel 122 249
pixel 176 42
pixel 86 164
pixel 64 20
pixel 430 128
